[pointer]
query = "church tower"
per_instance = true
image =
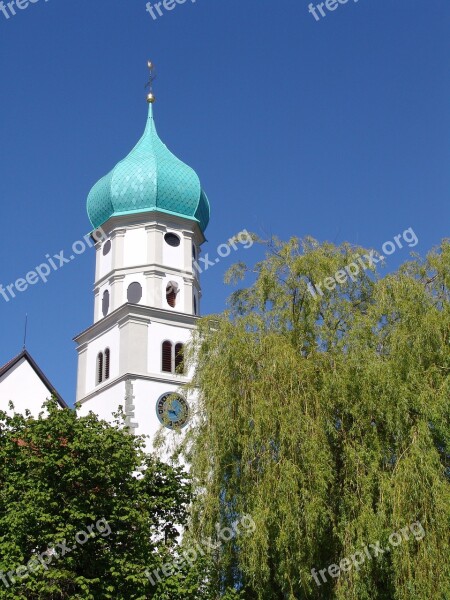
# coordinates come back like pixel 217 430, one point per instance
pixel 152 214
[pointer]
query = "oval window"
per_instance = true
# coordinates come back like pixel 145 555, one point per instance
pixel 172 239
pixel 171 293
pixel 105 303
pixel 134 293
pixel 106 247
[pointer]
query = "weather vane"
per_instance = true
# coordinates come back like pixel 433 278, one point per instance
pixel 151 67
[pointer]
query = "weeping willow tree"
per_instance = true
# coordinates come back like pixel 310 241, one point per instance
pixel 325 418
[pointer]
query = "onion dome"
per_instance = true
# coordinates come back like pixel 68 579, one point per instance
pixel 150 178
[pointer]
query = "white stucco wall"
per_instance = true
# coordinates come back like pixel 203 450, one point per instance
pixel 135 249
pixel 173 257
pixel 146 395
pixel 104 262
pixel 24 388
pixel 106 402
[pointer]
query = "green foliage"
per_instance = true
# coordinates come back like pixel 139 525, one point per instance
pixel 327 420
pixel 60 474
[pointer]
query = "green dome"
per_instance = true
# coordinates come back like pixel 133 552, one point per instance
pixel 149 178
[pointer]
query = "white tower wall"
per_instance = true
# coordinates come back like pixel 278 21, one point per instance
pixel 133 327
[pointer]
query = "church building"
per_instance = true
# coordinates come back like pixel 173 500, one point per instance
pixel 153 214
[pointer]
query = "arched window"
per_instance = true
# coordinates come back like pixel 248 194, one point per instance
pixel 107 356
pixel 171 293
pixel 167 357
pixel 179 359
pixel 100 367
pixel 103 364
pixel 172 360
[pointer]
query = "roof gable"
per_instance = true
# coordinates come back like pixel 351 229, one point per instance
pixel 26 355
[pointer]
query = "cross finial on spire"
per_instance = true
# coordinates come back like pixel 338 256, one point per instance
pixel 151 67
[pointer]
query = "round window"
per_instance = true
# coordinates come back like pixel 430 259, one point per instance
pixel 172 239
pixel 134 293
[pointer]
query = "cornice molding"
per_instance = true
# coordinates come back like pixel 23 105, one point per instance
pixel 154 219
pixel 170 380
pixel 147 269
pixel 128 312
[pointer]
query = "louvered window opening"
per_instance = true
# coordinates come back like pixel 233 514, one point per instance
pixel 100 367
pixel 167 357
pixel 179 358
pixel 107 355
pixel 103 365
pixel 172 358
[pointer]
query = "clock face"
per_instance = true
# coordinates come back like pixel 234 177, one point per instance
pixel 172 410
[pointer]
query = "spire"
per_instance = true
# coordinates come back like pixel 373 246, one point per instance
pixel 149 178
pixel 152 76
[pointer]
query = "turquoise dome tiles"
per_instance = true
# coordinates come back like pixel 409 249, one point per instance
pixel 149 178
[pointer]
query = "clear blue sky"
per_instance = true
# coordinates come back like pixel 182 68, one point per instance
pixel 338 128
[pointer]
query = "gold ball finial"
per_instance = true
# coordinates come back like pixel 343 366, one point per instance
pixel 150 96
